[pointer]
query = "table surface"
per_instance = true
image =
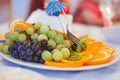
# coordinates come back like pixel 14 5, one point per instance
pixel 74 75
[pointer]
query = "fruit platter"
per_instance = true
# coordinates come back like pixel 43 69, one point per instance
pixel 37 45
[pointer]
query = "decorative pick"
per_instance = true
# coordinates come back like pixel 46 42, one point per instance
pixel 54 8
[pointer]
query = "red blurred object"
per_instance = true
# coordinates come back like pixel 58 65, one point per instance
pixel 35 4
pixel 67 7
pixel 87 5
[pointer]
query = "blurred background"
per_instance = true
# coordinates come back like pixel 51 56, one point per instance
pixel 10 9
pixel 98 13
pixel 102 12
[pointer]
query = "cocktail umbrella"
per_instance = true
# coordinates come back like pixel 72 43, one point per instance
pixel 54 8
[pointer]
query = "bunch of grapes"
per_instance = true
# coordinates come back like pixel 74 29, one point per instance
pixel 39 44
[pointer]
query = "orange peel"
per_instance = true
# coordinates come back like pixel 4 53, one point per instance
pixel 11 25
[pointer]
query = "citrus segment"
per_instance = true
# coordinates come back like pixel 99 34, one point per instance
pixel 104 55
pixel 19 25
pixel 15 21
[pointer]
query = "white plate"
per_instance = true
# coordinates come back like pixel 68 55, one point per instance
pixel 24 71
pixel 116 57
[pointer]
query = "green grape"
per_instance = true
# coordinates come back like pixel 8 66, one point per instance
pixel 44 29
pixel 5 49
pixel 52 43
pixel 38 25
pixel 57 56
pixel 7 35
pixel 59 38
pixel 18 30
pixel 60 46
pixel 21 37
pixel 14 36
pixel 65 52
pixel 75 57
pixel 34 36
pixel 78 49
pixel 1 46
pixel 47 56
pixel 9 42
pixel 41 37
pixel 52 34
pixel 54 50
pixel 83 41
pixel 66 43
pixel 30 30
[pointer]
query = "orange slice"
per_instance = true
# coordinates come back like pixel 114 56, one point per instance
pixel 1 35
pixel 20 25
pixel 11 25
pixel 95 44
pixel 91 40
pixel 67 63
pixel 104 55
pixel 60 64
pixel 29 25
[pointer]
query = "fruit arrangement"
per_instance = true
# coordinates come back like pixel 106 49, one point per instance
pixel 40 44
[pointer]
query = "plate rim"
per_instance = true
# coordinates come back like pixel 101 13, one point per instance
pixel 41 66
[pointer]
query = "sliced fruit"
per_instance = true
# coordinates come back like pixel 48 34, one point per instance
pixel 75 57
pixel 19 26
pixel 103 56
pixel 81 61
pixel 91 39
pixel 15 21
pixel 1 35
pixel 29 25
pixel 67 63
pixel 59 64
pixel 95 44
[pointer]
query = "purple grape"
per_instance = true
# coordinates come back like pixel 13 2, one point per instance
pixel 41 61
pixel 16 45
pixel 34 42
pixel 33 47
pixel 15 54
pixel 74 46
pixel 38 53
pixel 11 49
pixel 23 57
pixel 29 52
pixel 22 53
pixel 43 43
pixel 25 47
pixel 29 59
pixel 50 48
pixel 36 48
pixel 20 48
pixel 35 59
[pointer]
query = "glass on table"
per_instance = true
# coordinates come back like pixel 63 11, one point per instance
pixel 109 8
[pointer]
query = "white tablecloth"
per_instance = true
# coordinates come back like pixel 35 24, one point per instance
pixel 76 75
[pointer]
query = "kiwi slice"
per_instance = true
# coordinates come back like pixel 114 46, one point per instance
pixel 75 57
